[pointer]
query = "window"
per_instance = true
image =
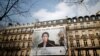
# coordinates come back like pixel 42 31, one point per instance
pixel 92 41
pixel 81 19
pixel 74 20
pixel 49 22
pixel 77 36
pixel 85 43
pixel 61 21
pixel 39 23
pixel 84 36
pixel 99 17
pixel 87 19
pixel 93 18
pixel 91 35
pixel 78 43
pixel 69 21
pixel 44 23
pixel 54 22
pixel 71 44
pixel 70 37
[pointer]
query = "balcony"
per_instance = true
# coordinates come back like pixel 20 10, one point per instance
pixel 82 27
pixel 16 46
pixel 87 47
pixel 18 32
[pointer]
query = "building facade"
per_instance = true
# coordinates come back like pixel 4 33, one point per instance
pixel 82 34
pixel 16 41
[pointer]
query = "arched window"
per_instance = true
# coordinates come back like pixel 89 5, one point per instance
pixel 61 21
pixel 44 23
pixel 93 17
pixel 49 22
pixel 69 20
pixel 98 16
pixel 86 18
pixel 54 22
pixel 80 18
pixel 74 19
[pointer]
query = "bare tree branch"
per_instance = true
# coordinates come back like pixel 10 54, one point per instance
pixel 18 12
pixel 9 18
pixel 7 5
pixel 8 10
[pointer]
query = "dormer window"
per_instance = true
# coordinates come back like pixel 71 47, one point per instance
pixel 69 21
pixel 54 22
pixel 81 19
pixel 99 17
pixel 50 22
pixel 61 21
pixel 44 23
pixel 87 19
pixel 93 18
pixel 74 20
pixel 38 23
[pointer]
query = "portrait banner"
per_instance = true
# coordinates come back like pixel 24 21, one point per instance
pixel 49 41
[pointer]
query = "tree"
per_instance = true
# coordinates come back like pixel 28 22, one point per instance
pixel 8 8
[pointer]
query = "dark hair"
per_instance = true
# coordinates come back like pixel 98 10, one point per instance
pixel 45 33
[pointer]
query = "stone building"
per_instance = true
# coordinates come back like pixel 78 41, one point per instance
pixel 16 40
pixel 82 34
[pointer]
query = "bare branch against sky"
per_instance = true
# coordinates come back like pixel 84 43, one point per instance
pixel 9 8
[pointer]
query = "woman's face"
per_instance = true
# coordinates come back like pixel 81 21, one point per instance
pixel 45 38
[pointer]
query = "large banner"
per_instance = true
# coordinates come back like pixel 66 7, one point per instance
pixel 52 39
